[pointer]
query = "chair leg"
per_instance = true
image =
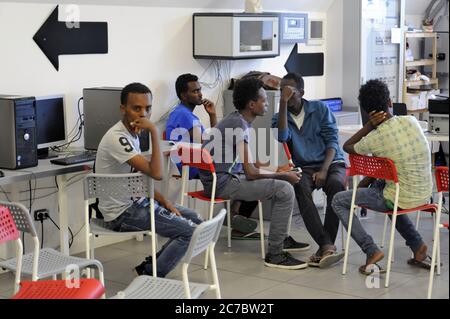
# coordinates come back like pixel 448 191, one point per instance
pixel 102 280
pixel 417 220
pixel 435 252
pixel 228 203
pixel 384 231
pixel 342 236
pixel 391 250
pixel 349 232
pixel 261 229
pixel 214 273
pixel 187 289
pixel 210 216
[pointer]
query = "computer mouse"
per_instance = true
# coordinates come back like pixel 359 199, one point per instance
pixel 2 174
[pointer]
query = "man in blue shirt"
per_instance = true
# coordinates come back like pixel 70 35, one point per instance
pixel 183 125
pixel 309 129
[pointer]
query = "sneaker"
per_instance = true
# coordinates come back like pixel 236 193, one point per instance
pixel 139 270
pixel 284 261
pixel 291 245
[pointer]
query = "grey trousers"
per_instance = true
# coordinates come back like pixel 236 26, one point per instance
pixel 280 192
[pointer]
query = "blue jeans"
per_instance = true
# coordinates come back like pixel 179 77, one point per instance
pixel 178 229
pixel 372 198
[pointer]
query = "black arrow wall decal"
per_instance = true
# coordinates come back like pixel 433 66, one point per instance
pixel 306 64
pixel 54 38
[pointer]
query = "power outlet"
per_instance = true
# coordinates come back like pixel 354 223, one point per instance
pixel 41 215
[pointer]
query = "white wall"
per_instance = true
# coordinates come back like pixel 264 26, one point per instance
pixel 152 45
pixel 335 50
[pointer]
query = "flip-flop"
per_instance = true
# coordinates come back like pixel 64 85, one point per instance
pixel 330 259
pixel 249 236
pixel 243 224
pixel 363 270
pixel 425 264
pixel 314 261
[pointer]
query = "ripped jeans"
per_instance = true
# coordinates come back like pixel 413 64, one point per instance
pixel 178 229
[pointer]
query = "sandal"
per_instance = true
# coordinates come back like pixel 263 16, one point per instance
pixel 425 264
pixel 363 269
pixel 330 258
pixel 314 261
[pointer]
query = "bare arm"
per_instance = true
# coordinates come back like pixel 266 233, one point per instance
pixel 320 177
pixel 254 173
pixel 376 118
pixel 152 168
pixel 286 94
pixel 210 108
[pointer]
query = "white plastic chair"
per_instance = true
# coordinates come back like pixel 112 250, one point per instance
pixel 117 186
pixel 201 159
pixel 42 263
pixel 204 238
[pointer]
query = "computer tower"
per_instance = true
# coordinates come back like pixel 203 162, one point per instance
pixel 18 148
pixel 101 112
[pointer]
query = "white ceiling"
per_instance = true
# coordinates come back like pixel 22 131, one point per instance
pixel 238 5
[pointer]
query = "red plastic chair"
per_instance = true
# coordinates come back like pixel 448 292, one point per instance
pixel 59 289
pixel 45 289
pixel 442 186
pixel 380 168
pixel 201 158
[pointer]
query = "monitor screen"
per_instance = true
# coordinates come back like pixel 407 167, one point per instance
pixel 50 121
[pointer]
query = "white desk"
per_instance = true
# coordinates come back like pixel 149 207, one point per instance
pixel 350 130
pixel 47 169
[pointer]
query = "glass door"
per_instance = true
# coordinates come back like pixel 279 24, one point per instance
pixel 380 58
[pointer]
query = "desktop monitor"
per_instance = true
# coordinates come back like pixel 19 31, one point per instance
pixel 50 123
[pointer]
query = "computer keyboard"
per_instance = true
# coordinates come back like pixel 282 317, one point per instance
pixel 74 159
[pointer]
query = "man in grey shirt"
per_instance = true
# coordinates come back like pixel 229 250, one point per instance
pixel 239 179
pixel 119 152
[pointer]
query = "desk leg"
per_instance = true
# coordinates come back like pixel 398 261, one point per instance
pixel 63 214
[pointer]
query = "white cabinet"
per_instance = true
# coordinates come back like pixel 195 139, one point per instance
pixel 230 36
pixel 370 51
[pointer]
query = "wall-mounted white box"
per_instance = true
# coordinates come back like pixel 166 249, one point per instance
pixel 230 36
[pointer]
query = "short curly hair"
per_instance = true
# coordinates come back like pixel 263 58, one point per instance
pixel 374 96
pixel 246 90
pixel 134 87
pixel 181 84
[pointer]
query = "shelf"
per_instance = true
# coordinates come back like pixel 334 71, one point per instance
pixel 420 82
pixel 417 111
pixel 423 62
pixel 420 34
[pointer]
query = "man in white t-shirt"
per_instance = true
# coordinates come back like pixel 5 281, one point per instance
pixel 399 138
pixel 119 152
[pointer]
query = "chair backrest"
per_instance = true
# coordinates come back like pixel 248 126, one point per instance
pixel 118 186
pixel 204 234
pixel 376 167
pixel 21 216
pixel 8 229
pixel 442 179
pixel 198 157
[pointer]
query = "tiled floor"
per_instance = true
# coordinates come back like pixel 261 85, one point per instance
pixel 242 273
